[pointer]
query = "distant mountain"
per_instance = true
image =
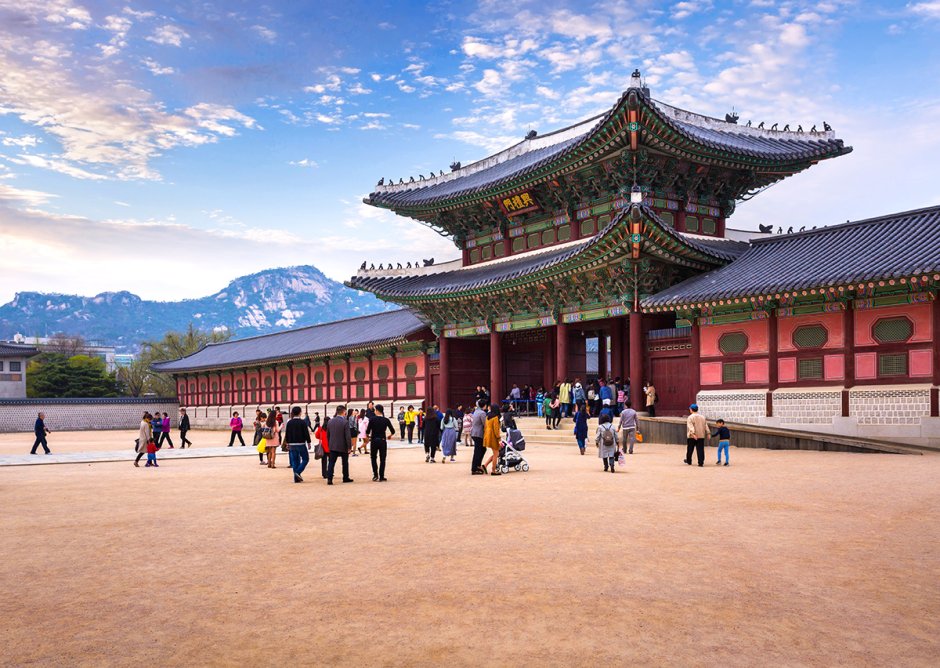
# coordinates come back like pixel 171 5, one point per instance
pixel 261 303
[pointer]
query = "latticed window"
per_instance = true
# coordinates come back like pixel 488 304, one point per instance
pixel 691 224
pixel 732 372
pixel 518 245
pixel 533 240
pixel 284 382
pixel 300 386
pixel 708 226
pixel 499 248
pixel 892 364
pixel 732 343
pixel 810 336
pixel 411 387
pixel 667 218
pixel 487 252
pixel 892 330
pixel 475 255
pixel 564 233
pixel 360 374
pixel 809 369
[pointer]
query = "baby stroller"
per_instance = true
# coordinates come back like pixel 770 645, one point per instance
pixel 510 452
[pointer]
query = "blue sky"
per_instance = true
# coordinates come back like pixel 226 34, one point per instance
pixel 168 148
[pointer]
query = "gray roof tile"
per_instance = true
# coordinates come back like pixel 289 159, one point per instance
pixel 306 341
pixel 893 246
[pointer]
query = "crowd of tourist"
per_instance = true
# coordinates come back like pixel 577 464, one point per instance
pixel 366 432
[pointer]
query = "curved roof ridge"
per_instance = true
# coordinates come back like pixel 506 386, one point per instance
pixel 848 224
pixel 708 122
pixel 523 147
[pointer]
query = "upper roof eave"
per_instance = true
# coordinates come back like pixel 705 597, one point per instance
pixel 541 157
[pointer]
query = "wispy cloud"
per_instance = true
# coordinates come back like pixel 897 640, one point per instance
pixel 168 35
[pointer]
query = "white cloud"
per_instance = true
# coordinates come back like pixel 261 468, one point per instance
pixel 265 33
pixel 306 162
pixel 56 165
pixel 29 197
pixel 156 69
pixel 491 83
pixel 492 143
pixel 547 92
pixel 168 35
pixel 220 119
pixel 930 9
pixel 25 141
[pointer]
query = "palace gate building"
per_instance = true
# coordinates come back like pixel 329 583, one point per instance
pixel 608 240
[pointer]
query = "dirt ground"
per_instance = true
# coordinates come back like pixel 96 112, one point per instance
pixel 783 558
pixel 62 442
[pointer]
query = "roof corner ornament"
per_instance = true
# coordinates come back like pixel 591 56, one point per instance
pixel 635 79
pixel 362 267
pixel 826 127
pixel 532 134
pixel 766 229
pixel 732 117
pixel 428 263
pixel 454 166
pixel 381 182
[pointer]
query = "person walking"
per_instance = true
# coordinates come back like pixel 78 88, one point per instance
pixel 556 411
pixel 378 426
pixel 580 425
pixel 364 417
pixel 628 426
pixel 420 419
pixel 144 437
pixel 651 398
pixel 340 441
pixel 432 433
pixel 270 435
pixel 297 436
pixel 156 427
pixel 491 438
pixel 564 396
pixel 458 415
pixel 410 418
pixel 724 440
pixel 256 441
pixel 41 431
pixel 606 440
pixel 467 426
pixel 184 429
pixel 577 394
pixel 401 423
pixel 449 436
pixel 477 430
pixel 165 426
pixel 324 454
pixel 547 409
pixel 696 428
pixel 352 418
pixel 236 426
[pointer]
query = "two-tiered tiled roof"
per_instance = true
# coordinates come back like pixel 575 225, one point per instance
pixel 9 349
pixel 370 331
pixel 895 247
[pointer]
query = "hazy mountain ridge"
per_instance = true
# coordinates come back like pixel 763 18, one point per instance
pixel 265 302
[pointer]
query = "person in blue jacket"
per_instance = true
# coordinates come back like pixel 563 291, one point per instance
pixel 580 425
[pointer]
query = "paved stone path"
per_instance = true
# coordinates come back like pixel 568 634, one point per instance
pixel 129 455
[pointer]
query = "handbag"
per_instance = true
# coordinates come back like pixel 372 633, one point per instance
pixel 639 437
pixel 318 451
pixel 621 459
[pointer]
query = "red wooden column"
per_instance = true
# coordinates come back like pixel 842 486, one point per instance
pixel 496 367
pixel 935 393
pixel 636 361
pixel 616 349
pixel 310 393
pixel 548 358
pixel 349 388
pixel 329 397
pixel 507 245
pixel 370 395
pixel 848 329
pixel 694 353
pixel 561 353
pixel 444 353
pixel 772 365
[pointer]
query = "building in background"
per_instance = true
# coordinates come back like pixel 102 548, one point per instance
pixel 13 360
pixel 611 235
pixel 81 346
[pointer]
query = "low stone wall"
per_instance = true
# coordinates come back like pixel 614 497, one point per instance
pixel 217 417
pixel 673 430
pixel 18 415
pixel 899 413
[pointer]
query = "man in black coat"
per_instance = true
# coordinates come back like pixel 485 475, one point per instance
pixel 378 425
pixel 432 433
pixel 297 437
pixel 337 430
pixel 184 428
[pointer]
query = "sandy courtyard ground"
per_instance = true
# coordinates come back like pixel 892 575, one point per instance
pixel 783 558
